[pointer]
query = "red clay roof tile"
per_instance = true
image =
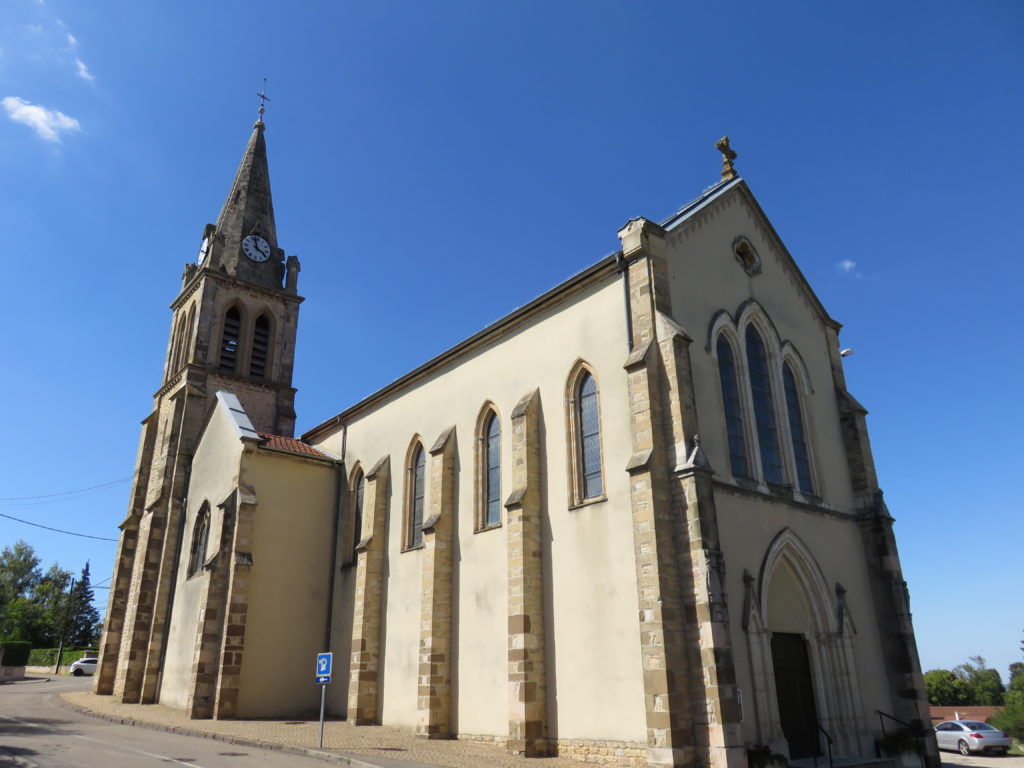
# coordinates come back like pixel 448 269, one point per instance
pixel 290 445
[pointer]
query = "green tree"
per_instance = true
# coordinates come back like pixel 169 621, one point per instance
pixel 945 689
pixel 19 573
pixel 985 684
pixel 51 599
pixel 32 603
pixel 84 616
pixel 1011 718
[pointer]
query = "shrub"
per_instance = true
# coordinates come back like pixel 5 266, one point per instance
pixel 16 653
pixel 1011 717
pixel 47 657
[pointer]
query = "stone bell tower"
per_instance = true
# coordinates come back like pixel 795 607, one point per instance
pixel 233 329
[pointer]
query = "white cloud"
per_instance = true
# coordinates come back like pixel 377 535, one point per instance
pixel 847 266
pixel 72 40
pixel 47 123
pixel 83 71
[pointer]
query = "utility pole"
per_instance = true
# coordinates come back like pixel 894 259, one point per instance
pixel 64 627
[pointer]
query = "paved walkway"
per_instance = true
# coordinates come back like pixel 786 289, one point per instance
pixel 379 745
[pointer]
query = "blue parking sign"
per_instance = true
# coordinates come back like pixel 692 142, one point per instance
pixel 323 667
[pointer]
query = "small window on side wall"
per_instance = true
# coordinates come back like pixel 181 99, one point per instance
pixel 358 493
pixel 200 534
pixel 416 483
pixel 489 514
pixel 587 478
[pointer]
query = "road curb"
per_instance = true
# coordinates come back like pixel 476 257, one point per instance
pixel 238 741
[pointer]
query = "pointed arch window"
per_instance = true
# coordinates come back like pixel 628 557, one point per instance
pixel 200 534
pixel 764 407
pixel 490 472
pixel 260 347
pixel 733 409
pixel 176 340
pixel 229 339
pixel 190 326
pixel 586 418
pixel 358 494
pixel 796 430
pixel 416 492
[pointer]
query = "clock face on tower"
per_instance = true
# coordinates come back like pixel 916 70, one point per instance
pixel 202 251
pixel 256 248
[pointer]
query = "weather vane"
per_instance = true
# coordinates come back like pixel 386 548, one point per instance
pixel 263 99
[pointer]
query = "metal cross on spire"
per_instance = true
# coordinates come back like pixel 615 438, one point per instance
pixel 263 99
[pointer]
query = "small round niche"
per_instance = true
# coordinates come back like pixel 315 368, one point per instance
pixel 747 256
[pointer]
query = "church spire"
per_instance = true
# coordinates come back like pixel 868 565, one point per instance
pixel 249 208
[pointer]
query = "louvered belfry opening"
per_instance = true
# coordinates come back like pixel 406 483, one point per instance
pixel 260 345
pixel 229 341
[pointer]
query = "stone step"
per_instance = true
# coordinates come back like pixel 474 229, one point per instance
pixel 844 762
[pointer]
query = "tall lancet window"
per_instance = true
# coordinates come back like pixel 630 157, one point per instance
pixel 796 430
pixel 733 409
pixel 260 347
pixel 417 485
pixel 358 492
pixel 590 437
pixel 229 340
pixel 492 472
pixel 764 407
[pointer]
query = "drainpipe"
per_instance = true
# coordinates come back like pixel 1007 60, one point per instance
pixel 623 266
pixel 339 497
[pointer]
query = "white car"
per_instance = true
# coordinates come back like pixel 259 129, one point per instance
pixel 967 736
pixel 84 666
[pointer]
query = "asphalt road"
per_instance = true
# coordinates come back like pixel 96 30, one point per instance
pixel 950 759
pixel 37 732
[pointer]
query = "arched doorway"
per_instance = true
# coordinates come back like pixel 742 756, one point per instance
pixel 800 638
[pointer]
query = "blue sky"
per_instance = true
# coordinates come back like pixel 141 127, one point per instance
pixel 435 165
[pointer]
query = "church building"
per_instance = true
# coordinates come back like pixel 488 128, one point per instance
pixel 635 521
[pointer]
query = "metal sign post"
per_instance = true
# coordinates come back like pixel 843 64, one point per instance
pixel 324 662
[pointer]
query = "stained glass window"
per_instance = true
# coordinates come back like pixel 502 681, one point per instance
pixel 796 430
pixel 590 438
pixel 764 408
pixel 416 476
pixel 492 471
pixel 733 409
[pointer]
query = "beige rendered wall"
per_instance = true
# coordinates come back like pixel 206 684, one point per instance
pixel 291 552
pixel 594 675
pixel 214 477
pixel 706 278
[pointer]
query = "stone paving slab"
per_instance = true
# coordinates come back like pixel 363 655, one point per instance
pixel 364 746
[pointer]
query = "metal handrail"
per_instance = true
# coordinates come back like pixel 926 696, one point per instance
pixel 828 744
pixel 881 722
pixel 911 730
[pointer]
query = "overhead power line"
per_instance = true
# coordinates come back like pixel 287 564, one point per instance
pixel 65 496
pixel 100 487
pixel 58 530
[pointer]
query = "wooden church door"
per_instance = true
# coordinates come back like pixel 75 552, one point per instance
pixel 795 692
